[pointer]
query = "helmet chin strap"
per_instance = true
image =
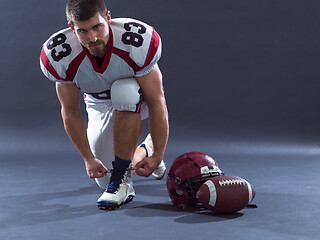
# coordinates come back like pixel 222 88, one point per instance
pixel 207 172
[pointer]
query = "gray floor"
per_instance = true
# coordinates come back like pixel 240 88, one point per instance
pixel 45 193
pixel 228 66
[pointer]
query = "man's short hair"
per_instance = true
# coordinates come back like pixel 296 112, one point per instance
pixel 83 10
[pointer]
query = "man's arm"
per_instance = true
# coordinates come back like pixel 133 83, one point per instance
pixel 75 127
pixel 152 90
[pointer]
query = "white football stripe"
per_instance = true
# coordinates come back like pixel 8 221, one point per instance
pixel 250 191
pixel 213 193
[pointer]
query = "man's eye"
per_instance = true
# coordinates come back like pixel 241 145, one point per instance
pixel 97 26
pixel 82 31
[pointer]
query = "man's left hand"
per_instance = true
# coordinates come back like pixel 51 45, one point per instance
pixel 146 166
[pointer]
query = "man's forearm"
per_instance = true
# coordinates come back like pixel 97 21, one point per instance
pixel 159 128
pixel 76 129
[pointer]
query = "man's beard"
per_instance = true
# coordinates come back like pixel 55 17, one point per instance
pixel 99 51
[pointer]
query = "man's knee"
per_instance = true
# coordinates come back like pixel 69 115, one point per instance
pixel 126 95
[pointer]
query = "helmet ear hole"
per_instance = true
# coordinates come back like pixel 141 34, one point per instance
pixel 187 168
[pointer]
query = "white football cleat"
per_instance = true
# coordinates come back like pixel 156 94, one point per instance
pixel 119 191
pixel 161 169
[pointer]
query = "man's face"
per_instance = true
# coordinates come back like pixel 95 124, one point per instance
pixel 94 33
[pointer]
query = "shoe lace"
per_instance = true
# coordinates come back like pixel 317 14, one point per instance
pixel 117 178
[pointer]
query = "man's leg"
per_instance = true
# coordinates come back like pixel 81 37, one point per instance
pixel 139 154
pixel 126 99
pixel 126 132
pixel 145 149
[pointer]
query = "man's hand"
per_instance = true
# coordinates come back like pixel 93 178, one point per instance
pixel 146 166
pixel 95 168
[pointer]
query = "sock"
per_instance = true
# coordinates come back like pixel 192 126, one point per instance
pixel 119 169
pixel 120 164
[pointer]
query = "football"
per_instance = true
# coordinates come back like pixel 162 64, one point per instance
pixel 225 194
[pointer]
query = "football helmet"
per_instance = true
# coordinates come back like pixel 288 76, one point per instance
pixel 186 175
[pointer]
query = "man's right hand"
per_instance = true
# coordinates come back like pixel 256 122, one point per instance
pixel 95 168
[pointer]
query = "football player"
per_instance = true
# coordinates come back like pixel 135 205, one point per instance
pixel 114 63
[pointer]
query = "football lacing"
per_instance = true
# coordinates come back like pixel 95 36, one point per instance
pixel 231 182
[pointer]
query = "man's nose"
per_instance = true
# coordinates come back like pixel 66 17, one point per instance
pixel 92 36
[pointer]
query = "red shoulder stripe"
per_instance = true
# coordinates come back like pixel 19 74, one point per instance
pixel 153 48
pixel 125 56
pixel 74 65
pixel 47 64
pixel 72 68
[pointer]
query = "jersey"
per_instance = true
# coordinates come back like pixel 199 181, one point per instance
pixel 133 49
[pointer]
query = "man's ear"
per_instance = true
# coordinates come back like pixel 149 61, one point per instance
pixel 108 17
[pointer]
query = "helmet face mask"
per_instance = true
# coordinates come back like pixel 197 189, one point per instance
pixel 186 175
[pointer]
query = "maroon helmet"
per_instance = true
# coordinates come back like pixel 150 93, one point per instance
pixel 186 175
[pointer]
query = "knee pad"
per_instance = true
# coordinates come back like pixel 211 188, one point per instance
pixel 126 95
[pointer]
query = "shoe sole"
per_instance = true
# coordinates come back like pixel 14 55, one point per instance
pixel 114 206
pixel 159 178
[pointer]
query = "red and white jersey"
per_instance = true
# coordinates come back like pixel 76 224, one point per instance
pixel 132 51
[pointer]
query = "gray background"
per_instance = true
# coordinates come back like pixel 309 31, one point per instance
pixel 230 67
pixel 241 82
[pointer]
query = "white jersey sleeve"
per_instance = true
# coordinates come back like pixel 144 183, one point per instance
pixel 137 42
pixel 58 53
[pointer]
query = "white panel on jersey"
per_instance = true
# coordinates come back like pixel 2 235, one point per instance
pixel 132 36
pixel 59 43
